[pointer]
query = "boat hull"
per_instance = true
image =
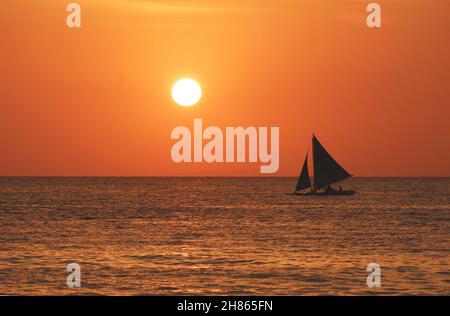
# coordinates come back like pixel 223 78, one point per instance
pixel 329 193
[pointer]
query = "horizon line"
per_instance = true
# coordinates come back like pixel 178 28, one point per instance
pixel 156 176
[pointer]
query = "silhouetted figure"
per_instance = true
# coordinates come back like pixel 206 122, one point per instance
pixel 329 189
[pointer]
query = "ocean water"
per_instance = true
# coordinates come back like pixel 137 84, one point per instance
pixel 222 236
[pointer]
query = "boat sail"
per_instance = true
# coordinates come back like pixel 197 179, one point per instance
pixel 326 172
pixel 304 182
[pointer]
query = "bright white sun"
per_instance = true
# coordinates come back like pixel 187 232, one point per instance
pixel 186 92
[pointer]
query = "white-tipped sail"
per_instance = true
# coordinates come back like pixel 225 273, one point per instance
pixel 304 182
pixel 326 170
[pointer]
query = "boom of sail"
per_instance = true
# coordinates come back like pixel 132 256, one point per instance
pixel 326 170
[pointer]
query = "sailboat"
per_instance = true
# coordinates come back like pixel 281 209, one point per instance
pixel 326 172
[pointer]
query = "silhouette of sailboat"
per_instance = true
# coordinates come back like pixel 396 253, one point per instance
pixel 326 172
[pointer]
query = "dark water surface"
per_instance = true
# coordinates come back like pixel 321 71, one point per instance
pixel 229 236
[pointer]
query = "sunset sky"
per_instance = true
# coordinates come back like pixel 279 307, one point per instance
pixel 96 101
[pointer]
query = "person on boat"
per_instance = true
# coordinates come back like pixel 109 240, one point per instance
pixel 329 189
pixel 340 189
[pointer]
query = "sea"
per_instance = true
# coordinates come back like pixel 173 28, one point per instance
pixel 223 236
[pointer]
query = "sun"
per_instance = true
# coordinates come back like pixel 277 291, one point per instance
pixel 186 92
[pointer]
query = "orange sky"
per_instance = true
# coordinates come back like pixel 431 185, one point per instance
pixel 96 101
